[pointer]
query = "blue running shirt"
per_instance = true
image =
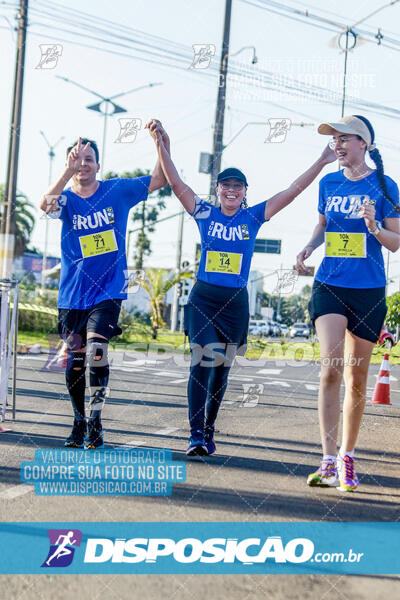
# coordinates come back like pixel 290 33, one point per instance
pixel 355 261
pixel 227 243
pixel 93 257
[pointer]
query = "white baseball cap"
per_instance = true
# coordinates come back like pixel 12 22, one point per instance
pixel 352 125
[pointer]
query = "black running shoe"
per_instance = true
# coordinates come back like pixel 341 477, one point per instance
pixel 75 440
pixel 94 438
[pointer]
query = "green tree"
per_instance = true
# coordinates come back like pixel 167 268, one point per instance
pixel 393 313
pixel 157 282
pixel 24 220
pixel 146 214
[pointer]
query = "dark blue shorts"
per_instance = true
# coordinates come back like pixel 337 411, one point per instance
pixel 365 309
pixel 102 318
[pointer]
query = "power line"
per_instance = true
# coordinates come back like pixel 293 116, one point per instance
pixel 306 17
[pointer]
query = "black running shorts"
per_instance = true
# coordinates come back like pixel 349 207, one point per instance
pixel 365 309
pixel 102 318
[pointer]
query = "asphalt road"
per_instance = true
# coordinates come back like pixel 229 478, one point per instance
pixel 267 443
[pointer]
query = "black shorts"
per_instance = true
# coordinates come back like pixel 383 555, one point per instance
pixel 216 314
pixel 365 309
pixel 102 318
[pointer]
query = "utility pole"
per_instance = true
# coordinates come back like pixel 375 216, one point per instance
pixel 175 303
pixel 7 230
pixel 220 111
pixel 346 51
pixel 46 234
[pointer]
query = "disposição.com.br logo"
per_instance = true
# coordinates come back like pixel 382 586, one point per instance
pixel 62 547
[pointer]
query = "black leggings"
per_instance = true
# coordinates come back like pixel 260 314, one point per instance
pixel 206 388
pixel 216 321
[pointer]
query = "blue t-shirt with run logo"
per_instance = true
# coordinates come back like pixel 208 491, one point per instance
pixel 353 256
pixel 93 257
pixel 227 242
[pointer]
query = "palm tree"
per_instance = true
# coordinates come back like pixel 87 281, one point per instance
pixel 24 220
pixel 157 282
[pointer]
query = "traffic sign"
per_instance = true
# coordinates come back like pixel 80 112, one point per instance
pixel 268 246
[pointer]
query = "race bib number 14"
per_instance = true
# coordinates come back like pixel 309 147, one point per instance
pixel 345 245
pixel 223 262
pixel 98 243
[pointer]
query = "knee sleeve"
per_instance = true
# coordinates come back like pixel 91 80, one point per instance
pixel 97 358
pixel 75 376
pixel 75 369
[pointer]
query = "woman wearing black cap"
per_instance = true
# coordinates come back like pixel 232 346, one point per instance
pixel 358 214
pixel 217 312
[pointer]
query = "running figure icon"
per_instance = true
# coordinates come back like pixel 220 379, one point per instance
pixel 63 543
pixel 62 549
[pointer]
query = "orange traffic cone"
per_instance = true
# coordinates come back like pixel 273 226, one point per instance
pixel 382 388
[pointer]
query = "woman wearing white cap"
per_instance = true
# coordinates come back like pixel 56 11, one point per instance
pixel 217 311
pixel 358 214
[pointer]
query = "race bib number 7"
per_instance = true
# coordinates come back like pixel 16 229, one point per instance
pixel 98 243
pixel 345 245
pixel 223 262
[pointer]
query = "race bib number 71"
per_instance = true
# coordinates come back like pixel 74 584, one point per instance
pixel 98 243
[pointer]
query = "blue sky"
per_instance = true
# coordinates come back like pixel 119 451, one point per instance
pixel 186 103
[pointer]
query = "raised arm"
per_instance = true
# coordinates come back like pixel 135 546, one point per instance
pixel 49 202
pixel 316 240
pixel 183 192
pixel 158 179
pixel 282 199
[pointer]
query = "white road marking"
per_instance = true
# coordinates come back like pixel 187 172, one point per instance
pixel 311 387
pixel 269 372
pixel 134 444
pixel 165 374
pixel 281 383
pixel 15 491
pixel 167 431
pixel 178 380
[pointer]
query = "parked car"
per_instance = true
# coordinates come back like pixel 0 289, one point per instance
pixel 386 338
pixel 284 329
pixel 276 330
pixel 259 327
pixel 299 330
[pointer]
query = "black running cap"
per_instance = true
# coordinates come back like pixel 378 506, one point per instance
pixel 232 173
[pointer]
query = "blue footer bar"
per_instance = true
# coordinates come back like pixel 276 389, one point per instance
pixel 208 548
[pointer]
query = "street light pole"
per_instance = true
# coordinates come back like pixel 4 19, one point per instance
pixel 220 110
pixel 46 234
pixel 7 230
pixel 108 102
